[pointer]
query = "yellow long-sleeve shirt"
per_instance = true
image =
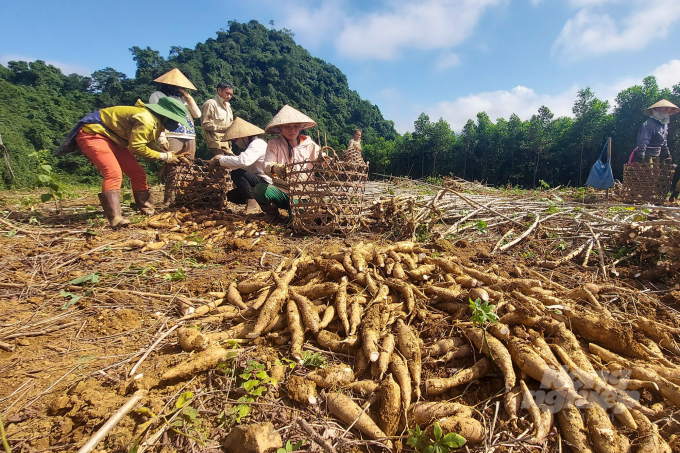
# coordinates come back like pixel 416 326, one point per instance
pixel 134 128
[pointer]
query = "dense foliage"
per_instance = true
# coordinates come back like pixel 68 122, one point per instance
pixel 39 105
pixel 543 148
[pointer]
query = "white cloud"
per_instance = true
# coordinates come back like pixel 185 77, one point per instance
pixel 422 24
pixel 586 3
pixel 667 75
pixel 591 33
pixel 522 101
pixel 448 61
pixel 66 68
pixel 306 22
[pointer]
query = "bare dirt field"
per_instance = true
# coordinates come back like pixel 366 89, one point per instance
pixel 211 321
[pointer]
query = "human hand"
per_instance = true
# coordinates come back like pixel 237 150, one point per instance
pixel 214 163
pixel 164 144
pixel 183 91
pixel 175 158
pixel 279 171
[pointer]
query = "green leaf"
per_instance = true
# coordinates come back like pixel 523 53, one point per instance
pixel 183 399
pixel 245 376
pixel 258 391
pixel 241 411
pixel 190 412
pixel 86 359
pixel 411 442
pixel 453 440
pixel 134 448
pixel 74 299
pixel 429 449
pixel 46 168
pixel 44 178
pixel 437 431
pixel 93 278
pixel 249 385
pixel 262 375
pixel 45 197
pixel 297 445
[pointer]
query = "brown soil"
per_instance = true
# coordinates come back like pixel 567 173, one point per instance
pixel 57 388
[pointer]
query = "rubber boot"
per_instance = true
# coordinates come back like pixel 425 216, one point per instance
pixel 253 207
pixel 110 201
pixel 271 212
pixel 674 196
pixel 144 203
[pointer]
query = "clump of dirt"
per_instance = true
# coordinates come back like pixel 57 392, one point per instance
pixel 112 321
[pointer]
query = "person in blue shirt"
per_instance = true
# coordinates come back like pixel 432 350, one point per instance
pixel 653 134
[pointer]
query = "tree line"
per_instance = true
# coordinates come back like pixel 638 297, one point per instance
pixel 557 151
pixel 39 105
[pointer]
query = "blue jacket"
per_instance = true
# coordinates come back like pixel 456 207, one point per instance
pixel 652 140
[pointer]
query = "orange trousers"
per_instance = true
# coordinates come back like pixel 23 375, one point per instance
pixel 112 161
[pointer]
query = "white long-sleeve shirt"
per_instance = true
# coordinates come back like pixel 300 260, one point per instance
pixel 252 159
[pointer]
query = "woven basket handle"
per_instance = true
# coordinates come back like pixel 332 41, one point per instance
pixel 335 153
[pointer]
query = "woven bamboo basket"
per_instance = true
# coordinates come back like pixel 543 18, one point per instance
pixel 647 182
pixel 198 187
pixel 327 195
pixel 354 156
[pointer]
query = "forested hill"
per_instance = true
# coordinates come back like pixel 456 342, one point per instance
pixel 39 104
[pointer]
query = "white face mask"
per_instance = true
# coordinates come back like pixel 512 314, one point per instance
pixel 663 118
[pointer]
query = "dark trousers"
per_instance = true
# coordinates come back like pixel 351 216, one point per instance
pixel 244 183
pixel 676 180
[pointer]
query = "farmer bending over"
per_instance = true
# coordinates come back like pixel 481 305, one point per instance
pixel 112 137
pixel 289 147
pixel 247 169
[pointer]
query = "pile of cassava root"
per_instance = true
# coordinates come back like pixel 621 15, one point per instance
pixel 572 358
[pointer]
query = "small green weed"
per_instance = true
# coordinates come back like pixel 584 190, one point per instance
pixel 254 380
pixel 482 313
pixel 313 359
pixel 441 443
pixel 178 275
pixel 89 278
pixel 291 447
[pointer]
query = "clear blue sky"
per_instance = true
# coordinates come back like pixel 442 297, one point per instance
pixel 447 58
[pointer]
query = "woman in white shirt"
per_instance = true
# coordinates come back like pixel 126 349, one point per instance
pixel 247 169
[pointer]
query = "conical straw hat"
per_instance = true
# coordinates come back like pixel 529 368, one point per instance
pixel 288 115
pixel 663 103
pixel 176 78
pixel 240 129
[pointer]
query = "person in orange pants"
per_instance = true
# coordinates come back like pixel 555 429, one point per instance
pixel 112 137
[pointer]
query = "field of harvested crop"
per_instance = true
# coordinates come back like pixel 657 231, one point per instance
pixel 458 317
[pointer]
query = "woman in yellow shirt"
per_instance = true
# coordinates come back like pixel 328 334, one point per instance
pixel 112 137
